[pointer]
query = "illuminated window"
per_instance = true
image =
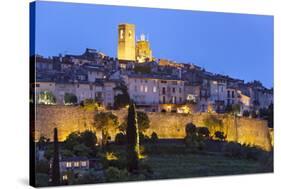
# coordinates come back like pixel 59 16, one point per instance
pixel 83 163
pixel 68 164
pixel 141 88
pixel 76 164
pixel 154 89
pixel 145 89
pixel 64 177
pixel 121 34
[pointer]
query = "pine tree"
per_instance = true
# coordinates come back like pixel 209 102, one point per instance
pixel 132 140
pixel 55 164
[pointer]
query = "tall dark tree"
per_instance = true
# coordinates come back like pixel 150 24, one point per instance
pixel 270 116
pixel 143 122
pixel 55 164
pixel 132 139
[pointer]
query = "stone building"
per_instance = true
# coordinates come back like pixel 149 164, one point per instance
pixel 126 42
pixel 155 92
pixel 143 90
pixel 143 51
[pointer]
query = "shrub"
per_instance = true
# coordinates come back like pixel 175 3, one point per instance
pixel 114 174
pixel 143 138
pixel 143 121
pixel 70 98
pixel 203 132
pixel 121 100
pixel 103 121
pixel 81 150
pixel 190 129
pixel 89 104
pixel 246 113
pixel 46 97
pixel 192 139
pixel 83 143
pixel 154 138
pixel 233 109
pixel 89 138
pixel 120 139
pixel 220 135
pixel 254 114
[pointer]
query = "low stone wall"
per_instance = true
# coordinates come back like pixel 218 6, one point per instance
pixel 167 125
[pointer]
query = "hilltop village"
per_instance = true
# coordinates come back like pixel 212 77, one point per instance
pixel 154 84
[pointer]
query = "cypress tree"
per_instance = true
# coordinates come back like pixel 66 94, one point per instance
pixel 55 164
pixel 132 139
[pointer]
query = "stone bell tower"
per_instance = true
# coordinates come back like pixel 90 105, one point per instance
pixel 126 42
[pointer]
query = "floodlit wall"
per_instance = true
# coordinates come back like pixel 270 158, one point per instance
pixel 167 125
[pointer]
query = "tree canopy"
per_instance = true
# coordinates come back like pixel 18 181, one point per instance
pixel 70 98
pixel 143 122
pixel 103 121
pixel 46 97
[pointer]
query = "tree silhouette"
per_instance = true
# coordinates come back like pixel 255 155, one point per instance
pixel 132 139
pixel 55 164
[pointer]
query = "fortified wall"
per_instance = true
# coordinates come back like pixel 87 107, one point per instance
pixel 167 125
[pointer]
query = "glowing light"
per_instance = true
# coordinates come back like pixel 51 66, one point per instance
pixel 110 156
pixel 64 177
pixel 142 156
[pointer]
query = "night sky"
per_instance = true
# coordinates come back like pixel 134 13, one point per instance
pixel 238 45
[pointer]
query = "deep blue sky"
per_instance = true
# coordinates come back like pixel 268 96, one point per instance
pixel 238 45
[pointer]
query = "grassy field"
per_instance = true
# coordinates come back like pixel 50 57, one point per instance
pixel 175 161
pixel 197 165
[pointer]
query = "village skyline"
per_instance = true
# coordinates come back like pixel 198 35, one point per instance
pixel 228 44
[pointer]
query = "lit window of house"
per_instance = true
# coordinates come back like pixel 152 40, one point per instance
pixel 83 163
pixel 141 88
pixel 64 177
pixel 68 164
pixel 154 89
pixel 76 164
pixel 145 89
